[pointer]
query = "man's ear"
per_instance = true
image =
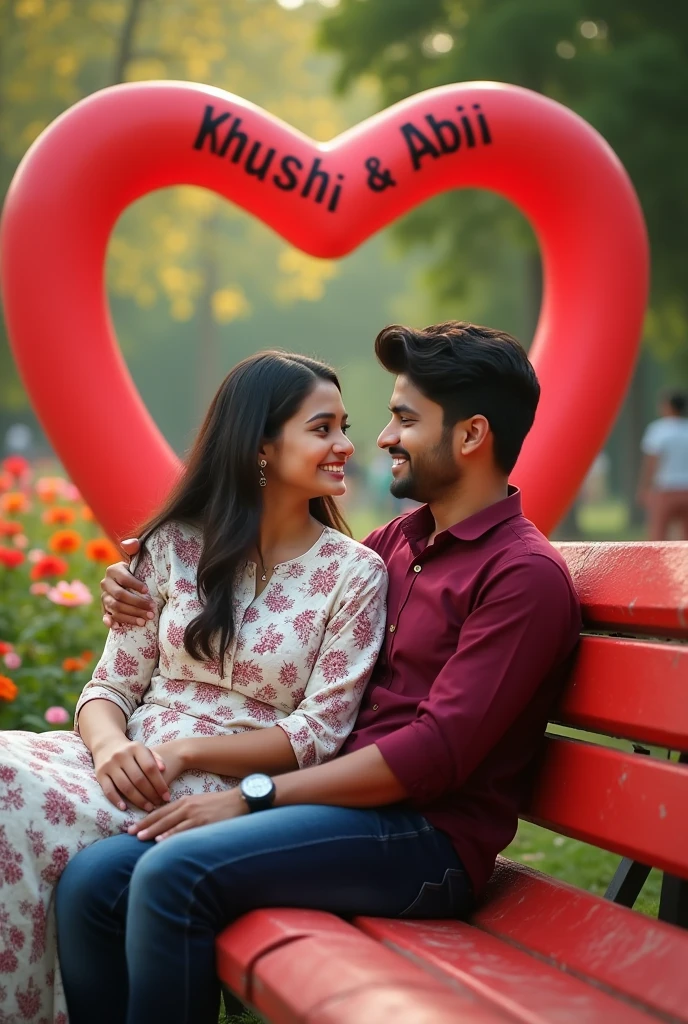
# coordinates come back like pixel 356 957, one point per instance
pixel 472 434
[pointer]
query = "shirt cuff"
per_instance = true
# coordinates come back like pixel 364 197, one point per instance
pixel 417 757
pixel 101 693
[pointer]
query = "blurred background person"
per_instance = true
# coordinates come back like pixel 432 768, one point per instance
pixel 663 487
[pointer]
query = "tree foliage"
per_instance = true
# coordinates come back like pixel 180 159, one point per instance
pixel 621 64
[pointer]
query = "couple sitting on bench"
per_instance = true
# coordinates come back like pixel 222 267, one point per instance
pixel 282 716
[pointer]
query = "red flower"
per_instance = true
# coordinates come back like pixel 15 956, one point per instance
pixel 11 558
pixel 15 465
pixel 10 528
pixel 5 647
pixel 49 565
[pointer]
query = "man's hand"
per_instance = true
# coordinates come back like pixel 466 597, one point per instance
pixel 190 812
pixel 132 771
pixel 125 599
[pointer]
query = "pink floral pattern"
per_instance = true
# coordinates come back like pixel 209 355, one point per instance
pixel 301 658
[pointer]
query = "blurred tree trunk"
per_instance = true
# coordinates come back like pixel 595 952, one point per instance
pixel 207 345
pixel 631 437
pixel 126 40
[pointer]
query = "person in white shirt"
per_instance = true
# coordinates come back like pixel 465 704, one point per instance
pixel 663 487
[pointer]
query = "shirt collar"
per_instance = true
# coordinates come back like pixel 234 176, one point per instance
pixel 419 524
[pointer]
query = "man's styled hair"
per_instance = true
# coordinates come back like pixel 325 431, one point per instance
pixel 678 401
pixel 469 371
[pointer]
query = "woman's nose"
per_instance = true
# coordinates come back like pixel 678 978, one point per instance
pixel 344 447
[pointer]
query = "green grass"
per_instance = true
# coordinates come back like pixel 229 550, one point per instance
pixel 577 863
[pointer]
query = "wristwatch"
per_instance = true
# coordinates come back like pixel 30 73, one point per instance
pixel 258 791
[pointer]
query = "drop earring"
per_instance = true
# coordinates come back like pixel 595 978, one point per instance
pixel 262 464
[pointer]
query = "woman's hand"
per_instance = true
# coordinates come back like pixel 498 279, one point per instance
pixel 190 812
pixel 173 756
pixel 130 770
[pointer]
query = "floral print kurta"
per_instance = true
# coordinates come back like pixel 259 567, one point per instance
pixel 300 660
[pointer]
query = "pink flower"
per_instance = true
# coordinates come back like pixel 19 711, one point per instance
pixel 39 588
pixel 20 540
pixel 71 492
pixel 56 716
pixel 49 488
pixel 71 595
pixel 35 555
pixel 12 659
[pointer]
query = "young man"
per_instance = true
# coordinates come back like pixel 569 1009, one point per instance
pixel 407 821
pixel 663 487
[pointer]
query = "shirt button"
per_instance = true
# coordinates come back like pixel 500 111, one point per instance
pixel 416 568
pixel 392 628
pixel 375 707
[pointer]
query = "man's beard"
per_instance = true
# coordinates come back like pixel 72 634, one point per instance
pixel 429 474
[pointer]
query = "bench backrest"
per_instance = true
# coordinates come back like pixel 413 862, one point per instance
pixel 630 681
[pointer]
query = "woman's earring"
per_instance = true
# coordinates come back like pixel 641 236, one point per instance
pixel 263 482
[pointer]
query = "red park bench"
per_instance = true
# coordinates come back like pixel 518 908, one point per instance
pixel 536 950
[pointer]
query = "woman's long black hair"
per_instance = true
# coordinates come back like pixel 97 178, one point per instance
pixel 220 490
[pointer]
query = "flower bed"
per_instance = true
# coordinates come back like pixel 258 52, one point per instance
pixel 52 556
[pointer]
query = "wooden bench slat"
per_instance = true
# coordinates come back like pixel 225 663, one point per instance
pixel 593 938
pixel 632 804
pixel 343 980
pixel 311 967
pixel 533 991
pixel 639 588
pixel 240 945
pixel 629 688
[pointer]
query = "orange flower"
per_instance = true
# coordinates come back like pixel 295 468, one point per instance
pixel 10 527
pixel 87 656
pixel 6 482
pixel 8 689
pixel 87 514
pixel 14 501
pixel 59 515
pixel 49 565
pixel 65 541
pixel 11 558
pixel 73 664
pixel 102 550
pixel 50 488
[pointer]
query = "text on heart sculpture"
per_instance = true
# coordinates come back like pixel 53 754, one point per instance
pixel 326 199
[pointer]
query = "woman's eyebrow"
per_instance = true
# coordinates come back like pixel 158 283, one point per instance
pixel 327 416
pixel 322 416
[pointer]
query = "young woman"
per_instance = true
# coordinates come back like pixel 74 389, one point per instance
pixel 268 620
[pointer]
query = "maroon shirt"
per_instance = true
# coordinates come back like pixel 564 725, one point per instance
pixel 480 627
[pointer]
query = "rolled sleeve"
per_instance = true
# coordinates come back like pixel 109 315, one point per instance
pixel 131 653
pixel 321 723
pixel 525 623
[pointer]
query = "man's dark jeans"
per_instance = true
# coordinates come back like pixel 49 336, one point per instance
pixel 137 921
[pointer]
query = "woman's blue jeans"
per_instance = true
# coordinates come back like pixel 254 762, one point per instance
pixel 137 921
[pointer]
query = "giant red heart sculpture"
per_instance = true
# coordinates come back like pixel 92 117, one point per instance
pixel 121 143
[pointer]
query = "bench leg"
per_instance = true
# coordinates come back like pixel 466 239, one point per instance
pixel 673 902
pixel 628 880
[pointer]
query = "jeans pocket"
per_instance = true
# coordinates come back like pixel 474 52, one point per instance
pixel 452 897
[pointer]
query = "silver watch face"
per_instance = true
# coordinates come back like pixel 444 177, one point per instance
pixel 257 786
